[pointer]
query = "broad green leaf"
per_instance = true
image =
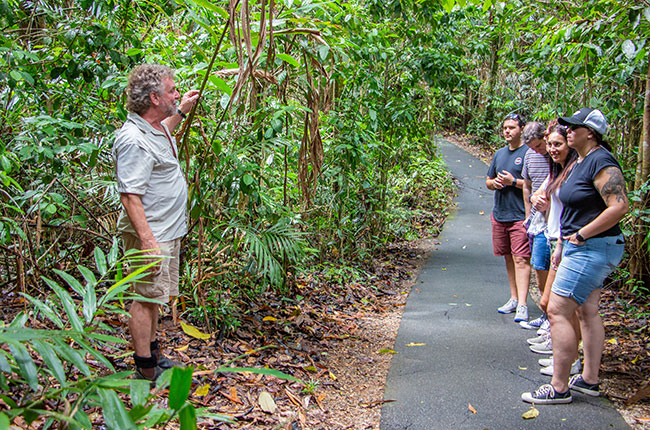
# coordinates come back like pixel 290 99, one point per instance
pixel 89 303
pixel 100 261
pixel 51 359
pixel 25 364
pixel 187 417
pixel 139 391
pixel 131 52
pixel 98 355
pixel 323 50
pixel 120 286
pixel 115 414
pixel 45 310
pixel 4 421
pixel 179 387
pixel 221 84
pixel 288 59
pixel 113 253
pixel 4 364
pixel 210 6
pixel 71 281
pixel 138 412
pixel 71 355
pixel 68 304
pixel 88 275
pixel 270 372
pixel 248 179
pixel 107 338
pixel 83 421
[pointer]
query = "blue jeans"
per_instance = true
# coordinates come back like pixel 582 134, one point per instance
pixel 584 268
pixel 540 257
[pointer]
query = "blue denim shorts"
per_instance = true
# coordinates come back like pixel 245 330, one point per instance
pixel 540 257
pixel 584 268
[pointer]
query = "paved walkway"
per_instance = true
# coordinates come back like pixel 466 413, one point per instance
pixel 472 354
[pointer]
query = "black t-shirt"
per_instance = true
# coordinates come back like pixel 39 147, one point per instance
pixel 582 201
pixel 508 201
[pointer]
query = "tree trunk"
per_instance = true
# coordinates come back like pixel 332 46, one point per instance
pixel 639 257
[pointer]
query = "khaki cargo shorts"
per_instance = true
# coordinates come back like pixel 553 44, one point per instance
pixel 163 283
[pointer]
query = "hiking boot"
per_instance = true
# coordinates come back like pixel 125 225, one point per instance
pixel 522 313
pixel 509 307
pixel 161 361
pixel 545 347
pixel 146 368
pixel 538 339
pixel 577 383
pixel 576 367
pixel 534 324
pixel 546 395
pixel 545 327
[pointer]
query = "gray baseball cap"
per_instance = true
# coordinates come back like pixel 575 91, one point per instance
pixel 592 118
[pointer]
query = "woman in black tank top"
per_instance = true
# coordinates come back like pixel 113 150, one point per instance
pixel 594 200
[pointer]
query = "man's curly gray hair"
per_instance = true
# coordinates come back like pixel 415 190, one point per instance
pixel 143 80
pixel 533 130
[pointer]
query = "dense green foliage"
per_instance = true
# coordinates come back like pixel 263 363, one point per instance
pixel 313 142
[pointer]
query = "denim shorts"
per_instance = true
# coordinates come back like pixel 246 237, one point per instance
pixel 540 257
pixel 584 268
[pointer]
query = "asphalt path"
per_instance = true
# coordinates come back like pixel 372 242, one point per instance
pixel 472 357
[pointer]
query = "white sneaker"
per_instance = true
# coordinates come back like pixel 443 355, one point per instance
pixel 534 324
pixel 545 347
pixel 545 362
pixel 576 367
pixel 545 327
pixel 522 313
pixel 509 307
pixel 538 339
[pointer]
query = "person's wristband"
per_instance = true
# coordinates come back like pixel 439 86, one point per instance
pixel 178 111
pixel 579 237
pixel 514 182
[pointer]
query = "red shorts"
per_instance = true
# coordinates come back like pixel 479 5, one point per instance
pixel 510 238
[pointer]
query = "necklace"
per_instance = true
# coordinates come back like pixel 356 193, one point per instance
pixel 580 160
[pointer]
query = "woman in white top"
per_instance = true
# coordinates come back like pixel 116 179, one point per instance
pixel 547 200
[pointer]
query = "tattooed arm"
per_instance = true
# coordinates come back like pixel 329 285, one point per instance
pixel 610 183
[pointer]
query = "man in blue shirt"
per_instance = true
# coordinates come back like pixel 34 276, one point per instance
pixel 509 238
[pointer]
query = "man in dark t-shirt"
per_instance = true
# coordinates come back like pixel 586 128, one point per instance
pixel 509 238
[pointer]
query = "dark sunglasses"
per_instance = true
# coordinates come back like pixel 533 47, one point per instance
pixel 574 127
pixel 514 116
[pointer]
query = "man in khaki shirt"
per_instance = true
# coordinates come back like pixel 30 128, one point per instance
pixel 154 195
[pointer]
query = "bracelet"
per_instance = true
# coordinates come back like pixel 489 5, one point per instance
pixel 178 111
pixel 579 237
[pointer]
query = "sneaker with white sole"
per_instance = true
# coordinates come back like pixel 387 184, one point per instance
pixel 576 367
pixel 546 395
pixel 545 327
pixel 545 347
pixel 522 313
pixel 577 383
pixel 538 339
pixel 509 307
pixel 534 324
pixel 545 362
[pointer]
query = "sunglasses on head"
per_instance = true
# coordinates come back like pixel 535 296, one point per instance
pixel 514 116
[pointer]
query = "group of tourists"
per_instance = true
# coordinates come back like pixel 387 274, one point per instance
pixel 559 197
